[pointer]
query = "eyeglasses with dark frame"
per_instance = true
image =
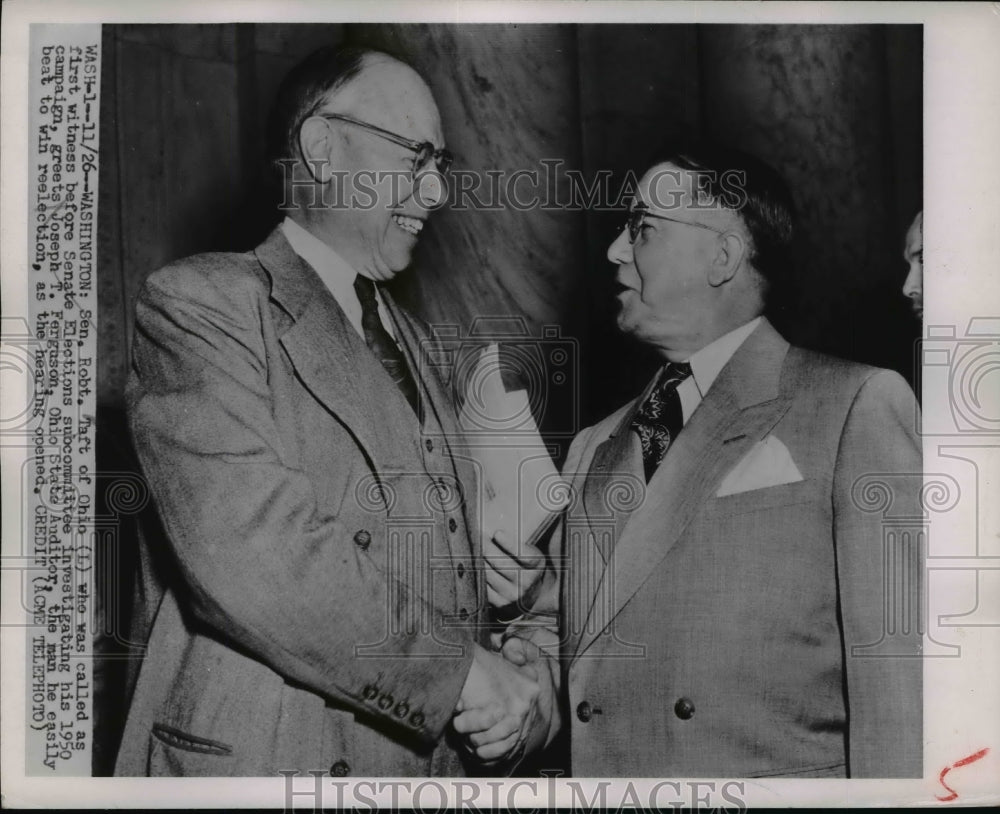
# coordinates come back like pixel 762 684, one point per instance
pixel 423 151
pixel 635 218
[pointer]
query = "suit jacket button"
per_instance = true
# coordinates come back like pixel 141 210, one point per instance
pixel 402 709
pixel 684 709
pixel 385 701
pixel 362 539
pixel 417 719
pixel 584 712
pixel 340 769
pixel 429 445
pixel 460 570
pixel 369 692
pixel 452 525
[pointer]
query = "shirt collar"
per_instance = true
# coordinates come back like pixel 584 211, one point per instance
pixel 328 264
pixel 707 363
pixel 336 274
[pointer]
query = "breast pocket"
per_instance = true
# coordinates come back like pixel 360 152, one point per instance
pixel 769 497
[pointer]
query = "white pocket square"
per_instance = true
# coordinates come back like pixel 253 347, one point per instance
pixel 768 463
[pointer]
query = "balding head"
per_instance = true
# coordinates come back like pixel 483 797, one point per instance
pixel 304 89
pixel 348 158
pixel 391 95
pixel 367 84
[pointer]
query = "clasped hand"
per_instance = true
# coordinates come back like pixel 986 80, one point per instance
pixel 499 707
pixel 500 712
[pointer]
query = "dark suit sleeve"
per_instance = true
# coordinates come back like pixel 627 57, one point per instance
pixel 265 567
pixel 880 572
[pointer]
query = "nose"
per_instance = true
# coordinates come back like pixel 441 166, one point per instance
pixel 620 250
pixel 914 284
pixel 429 189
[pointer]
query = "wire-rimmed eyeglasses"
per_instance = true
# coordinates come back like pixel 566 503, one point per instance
pixel 423 151
pixel 635 217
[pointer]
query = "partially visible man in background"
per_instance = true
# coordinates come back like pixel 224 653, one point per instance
pixel 913 254
pixel 291 434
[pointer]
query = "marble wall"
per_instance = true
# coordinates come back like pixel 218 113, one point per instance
pixel 507 101
pixel 837 109
pixel 813 101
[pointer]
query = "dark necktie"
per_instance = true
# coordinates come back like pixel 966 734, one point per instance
pixel 660 418
pixel 382 344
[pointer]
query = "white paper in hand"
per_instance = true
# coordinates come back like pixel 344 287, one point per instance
pixel 523 490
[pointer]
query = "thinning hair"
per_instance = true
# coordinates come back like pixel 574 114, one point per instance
pixel 748 186
pixel 304 90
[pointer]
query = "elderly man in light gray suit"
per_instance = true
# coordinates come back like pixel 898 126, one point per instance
pixel 324 607
pixel 731 601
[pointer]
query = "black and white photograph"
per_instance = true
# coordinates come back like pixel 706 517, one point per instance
pixel 502 409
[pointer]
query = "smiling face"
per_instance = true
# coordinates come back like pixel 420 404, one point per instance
pixel 913 254
pixel 666 298
pixel 386 208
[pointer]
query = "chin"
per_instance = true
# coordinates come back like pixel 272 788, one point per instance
pixel 626 325
pixel 629 312
pixel 391 265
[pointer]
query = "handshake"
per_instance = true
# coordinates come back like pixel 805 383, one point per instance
pixel 507 704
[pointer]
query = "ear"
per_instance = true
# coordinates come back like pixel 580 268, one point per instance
pixel 316 144
pixel 728 259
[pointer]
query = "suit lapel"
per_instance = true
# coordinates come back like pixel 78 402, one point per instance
pixel 614 479
pixel 333 361
pixel 613 486
pixel 741 407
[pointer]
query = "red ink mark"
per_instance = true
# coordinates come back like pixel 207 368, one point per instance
pixel 965 761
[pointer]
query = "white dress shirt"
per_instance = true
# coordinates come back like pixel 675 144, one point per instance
pixel 336 274
pixel 706 365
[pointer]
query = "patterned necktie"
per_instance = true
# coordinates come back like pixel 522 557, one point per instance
pixel 382 344
pixel 660 418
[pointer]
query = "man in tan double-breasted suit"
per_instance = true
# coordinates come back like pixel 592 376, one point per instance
pixel 736 597
pixel 322 608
